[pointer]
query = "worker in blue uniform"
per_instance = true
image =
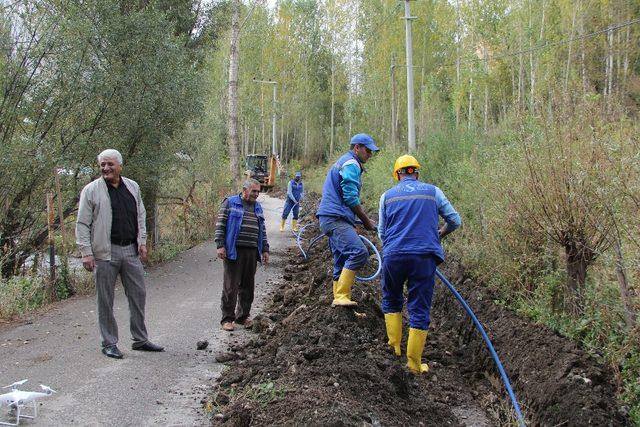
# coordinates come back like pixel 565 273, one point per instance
pixel 337 213
pixel 409 230
pixel 295 194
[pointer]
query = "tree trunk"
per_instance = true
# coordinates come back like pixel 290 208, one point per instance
pixel 149 197
pixel 470 114
pixel 568 69
pixel 610 65
pixel 486 90
pixel 306 136
pixel 282 131
pixel 532 64
pixel 630 315
pixel 577 264
pixel 458 32
pixel 234 58
pixel 625 62
pixel 262 144
pixel 394 114
pixel 253 142
pixel 333 104
pixel 583 60
pixel 578 259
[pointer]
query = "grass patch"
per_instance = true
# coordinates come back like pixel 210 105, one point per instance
pixel 166 251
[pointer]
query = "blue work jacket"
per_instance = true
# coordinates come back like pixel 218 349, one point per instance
pixel 410 220
pixel 332 202
pixel 234 221
pixel 296 190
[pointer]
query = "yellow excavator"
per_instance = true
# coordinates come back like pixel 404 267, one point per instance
pixel 262 169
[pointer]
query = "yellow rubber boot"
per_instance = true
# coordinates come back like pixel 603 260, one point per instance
pixel 394 330
pixel 335 288
pixel 294 225
pixel 342 292
pixel 415 346
pixel 282 221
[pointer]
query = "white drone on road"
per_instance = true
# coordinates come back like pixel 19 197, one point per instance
pixel 16 400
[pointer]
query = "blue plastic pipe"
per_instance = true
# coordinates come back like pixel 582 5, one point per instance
pixel 375 250
pixel 494 355
pixel 320 236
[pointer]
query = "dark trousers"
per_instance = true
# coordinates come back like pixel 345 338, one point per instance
pixel 419 273
pixel 238 285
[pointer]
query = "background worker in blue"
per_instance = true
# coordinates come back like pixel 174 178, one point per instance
pixel 408 229
pixel 339 207
pixel 295 194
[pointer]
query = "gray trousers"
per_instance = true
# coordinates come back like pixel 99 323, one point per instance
pixel 124 261
pixel 238 285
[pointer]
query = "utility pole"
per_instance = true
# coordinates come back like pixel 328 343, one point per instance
pixel 394 114
pixel 410 101
pixel 273 115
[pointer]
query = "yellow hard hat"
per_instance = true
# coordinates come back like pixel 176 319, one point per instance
pixel 405 162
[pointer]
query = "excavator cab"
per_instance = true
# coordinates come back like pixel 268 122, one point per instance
pixel 262 169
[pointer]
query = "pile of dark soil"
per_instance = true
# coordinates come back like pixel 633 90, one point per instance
pixel 558 382
pixel 310 364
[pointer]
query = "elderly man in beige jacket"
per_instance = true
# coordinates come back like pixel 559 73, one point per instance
pixel 112 235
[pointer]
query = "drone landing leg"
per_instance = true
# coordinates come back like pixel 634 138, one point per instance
pixel 35 412
pixel 17 419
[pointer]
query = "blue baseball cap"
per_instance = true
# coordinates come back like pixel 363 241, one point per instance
pixel 298 174
pixel 366 140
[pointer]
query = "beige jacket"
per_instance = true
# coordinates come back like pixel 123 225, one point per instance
pixel 93 226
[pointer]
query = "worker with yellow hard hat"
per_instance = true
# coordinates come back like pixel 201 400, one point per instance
pixel 409 230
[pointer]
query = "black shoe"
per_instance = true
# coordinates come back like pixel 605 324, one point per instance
pixel 112 351
pixel 146 346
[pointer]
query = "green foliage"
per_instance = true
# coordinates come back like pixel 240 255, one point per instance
pixel 264 393
pixel 20 294
pixel 166 251
pixel 114 77
pixel 24 293
pixel 630 375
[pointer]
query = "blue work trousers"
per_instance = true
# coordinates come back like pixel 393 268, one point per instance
pixel 288 205
pixel 346 246
pixel 419 273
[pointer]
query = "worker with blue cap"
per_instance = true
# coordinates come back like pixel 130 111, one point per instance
pixel 295 194
pixel 337 213
pixel 408 228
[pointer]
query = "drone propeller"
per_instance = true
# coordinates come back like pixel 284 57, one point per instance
pixel 47 389
pixel 15 385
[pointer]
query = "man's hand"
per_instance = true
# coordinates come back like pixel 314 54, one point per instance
pixel 142 252
pixel 88 262
pixel 222 253
pixel 367 223
pixel 370 225
pixel 265 258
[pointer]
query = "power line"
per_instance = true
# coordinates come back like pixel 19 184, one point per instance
pixel 383 22
pixel 547 45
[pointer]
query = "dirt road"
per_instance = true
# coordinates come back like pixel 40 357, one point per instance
pixel 62 347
